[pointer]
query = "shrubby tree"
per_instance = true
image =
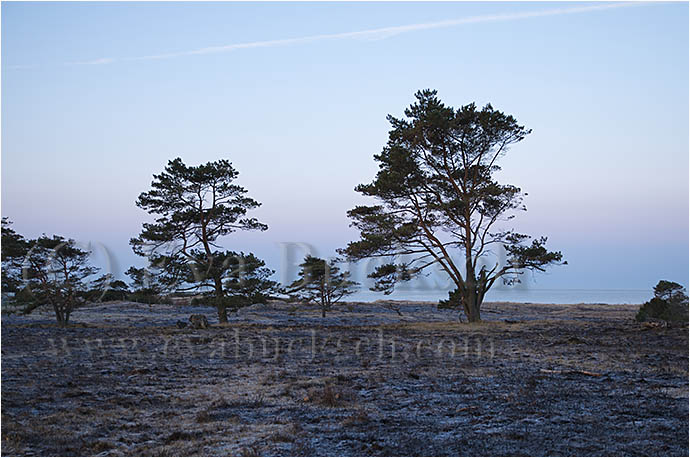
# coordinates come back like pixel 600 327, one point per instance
pixel 117 290
pixel 670 291
pixel 144 286
pixel 670 303
pixel 140 278
pixel 150 285
pixel 322 283
pixel 14 249
pixel 194 207
pixel 105 288
pixel 247 280
pixel 55 273
pixel 439 203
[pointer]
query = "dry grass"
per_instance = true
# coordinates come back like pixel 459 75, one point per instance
pixel 340 402
pixel 330 395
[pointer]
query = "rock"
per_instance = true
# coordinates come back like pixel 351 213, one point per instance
pixel 198 321
pixel 181 324
pixel 655 323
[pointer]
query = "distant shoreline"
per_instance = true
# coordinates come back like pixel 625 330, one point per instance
pixel 524 296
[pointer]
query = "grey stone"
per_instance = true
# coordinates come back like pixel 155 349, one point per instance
pixel 198 321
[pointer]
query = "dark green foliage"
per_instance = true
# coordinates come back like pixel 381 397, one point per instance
pixel 14 249
pixel 143 280
pixel 147 297
pixel 670 291
pixel 670 303
pixel 246 281
pixel 438 202
pixel 55 273
pixel 322 283
pixel 194 206
pixel 109 295
pixel 118 285
pixel 454 298
pixel 105 289
pixel 145 287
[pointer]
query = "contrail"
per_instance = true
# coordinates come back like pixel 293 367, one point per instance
pixel 372 34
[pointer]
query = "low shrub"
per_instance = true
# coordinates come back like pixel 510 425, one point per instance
pixel 670 303
pixel 147 297
pixel 234 302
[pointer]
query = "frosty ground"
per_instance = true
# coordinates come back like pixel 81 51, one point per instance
pixel 384 378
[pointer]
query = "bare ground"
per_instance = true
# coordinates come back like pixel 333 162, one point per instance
pixel 278 380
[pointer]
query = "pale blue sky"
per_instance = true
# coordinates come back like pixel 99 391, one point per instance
pixel 605 91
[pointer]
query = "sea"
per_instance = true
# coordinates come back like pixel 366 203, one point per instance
pixel 526 295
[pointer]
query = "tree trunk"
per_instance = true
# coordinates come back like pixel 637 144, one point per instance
pixel 472 303
pixel 323 312
pixel 471 300
pixel 473 312
pixel 222 313
pixel 60 316
pixel 220 305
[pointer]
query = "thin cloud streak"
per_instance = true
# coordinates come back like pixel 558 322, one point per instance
pixel 372 34
pixel 101 61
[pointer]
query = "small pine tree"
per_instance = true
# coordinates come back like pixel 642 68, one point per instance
pixel 322 283
pixel 145 286
pixel 195 208
pixel 246 280
pixel 56 273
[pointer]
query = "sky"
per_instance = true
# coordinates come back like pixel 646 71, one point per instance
pixel 97 97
